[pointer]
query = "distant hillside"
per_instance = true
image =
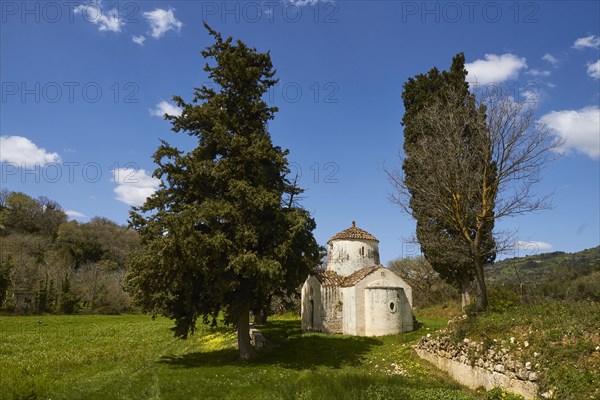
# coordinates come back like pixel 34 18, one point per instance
pixel 542 267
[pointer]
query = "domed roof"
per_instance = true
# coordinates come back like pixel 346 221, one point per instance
pixel 353 233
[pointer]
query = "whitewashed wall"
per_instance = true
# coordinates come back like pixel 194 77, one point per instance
pixel 348 255
pixel 382 287
pixel 311 290
pixel 350 310
pixel 386 311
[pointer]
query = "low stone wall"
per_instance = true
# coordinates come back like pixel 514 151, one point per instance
pixel 469 365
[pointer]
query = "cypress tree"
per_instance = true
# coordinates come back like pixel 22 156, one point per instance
pixel 219 236
pixel 442 245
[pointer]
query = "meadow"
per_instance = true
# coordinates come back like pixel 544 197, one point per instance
pixel 135 357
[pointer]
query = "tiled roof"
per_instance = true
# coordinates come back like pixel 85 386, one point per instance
pixel 357 276
pixel 353 233
pixel 332 278
pixel 329 278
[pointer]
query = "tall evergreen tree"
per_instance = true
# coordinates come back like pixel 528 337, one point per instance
pixel 219 235
pixel 69 301
pixel 41 299
pixel 442 244
pixel 468 163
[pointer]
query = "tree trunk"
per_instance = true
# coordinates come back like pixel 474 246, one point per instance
pixel 482 300
pixel 260 316
pixel 94 287
pixel 465 290
pixel 243 335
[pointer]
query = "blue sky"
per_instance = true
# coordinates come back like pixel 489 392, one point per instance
pixel 84 85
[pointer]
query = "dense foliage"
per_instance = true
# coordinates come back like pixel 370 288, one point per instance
pixel 49 264
pixel 223 233
pixel 556 275
pixel 528 280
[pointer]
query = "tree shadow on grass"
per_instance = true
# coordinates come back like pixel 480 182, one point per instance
pixel 214 358
pixel 292 349
pixel 311 350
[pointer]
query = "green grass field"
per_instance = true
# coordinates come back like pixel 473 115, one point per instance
pixel 135 357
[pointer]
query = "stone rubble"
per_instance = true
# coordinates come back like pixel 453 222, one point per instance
pixel 495 359
pixel 257 339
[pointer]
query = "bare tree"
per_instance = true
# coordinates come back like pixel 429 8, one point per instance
pixel 475 179
pixel 428 288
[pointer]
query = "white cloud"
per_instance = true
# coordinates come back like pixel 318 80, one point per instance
pixel 593 69
pixel 533 246
pixel 537 72
pixel 134 186
pixel 579 128
pixel 75 214
pixel 495 69
pixel 588 41
pixel 162 21
pixel 550 58
pixel 164 107
pixel 138 39
pixel 106 21
pixel 22 151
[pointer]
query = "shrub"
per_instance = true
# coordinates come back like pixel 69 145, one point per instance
pixel 501 299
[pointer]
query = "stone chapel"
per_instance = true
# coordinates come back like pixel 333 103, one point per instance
pixel 355 295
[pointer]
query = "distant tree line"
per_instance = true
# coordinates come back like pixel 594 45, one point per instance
pixel 556 275
pixel 51 265
pixel 532 279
